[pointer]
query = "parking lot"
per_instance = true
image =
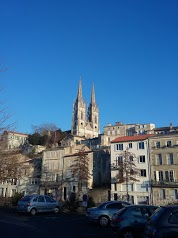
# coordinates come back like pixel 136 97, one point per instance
pixel 49 225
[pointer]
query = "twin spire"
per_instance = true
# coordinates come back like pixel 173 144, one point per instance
pixel 79 96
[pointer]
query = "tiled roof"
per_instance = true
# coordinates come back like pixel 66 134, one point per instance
pixel 131 138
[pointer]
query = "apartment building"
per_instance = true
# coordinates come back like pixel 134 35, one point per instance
pixel 13 140
pixel 164 167
pixel 136 149
pixel 111 132
pixel 57 177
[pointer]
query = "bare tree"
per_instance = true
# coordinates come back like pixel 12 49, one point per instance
pixel 126 170
pixel 80 167
pixel 11 166
pixel 44 128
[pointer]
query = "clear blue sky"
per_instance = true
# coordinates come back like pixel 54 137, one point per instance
pixel 127 48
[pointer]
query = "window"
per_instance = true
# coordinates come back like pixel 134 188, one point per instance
pixel 47 199
pixel 160 175
pixel 119 146
pixel 143 172
pixel 162 194
pixel 168 143
pixel 130 145
pixel 119 160
pixel 173 193
pixel 74 188
pixel 158 144
pixel 141 145
pixel 142 158
pixel 171 176
pixel 95 119
pixel 158 159
pixel 115 206
pixel 170 159
pixel 174 218
pixel 35 199
pixel 41 199
pixel 131 158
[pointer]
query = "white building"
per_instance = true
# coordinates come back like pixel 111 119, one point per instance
pixel 139 191
pixel 111 132
pixel 12 139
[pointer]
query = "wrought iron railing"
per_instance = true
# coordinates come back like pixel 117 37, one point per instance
pixel 164 183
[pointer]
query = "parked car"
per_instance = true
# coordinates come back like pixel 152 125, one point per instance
pixel 103 213
pixel 163 223
pixel 33 204
pixel 130 221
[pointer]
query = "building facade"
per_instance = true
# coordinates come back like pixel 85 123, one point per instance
pixel 135 150
pixel 57 176
pixel 111 132
pixel 85 122
pixel 164 168
pixel 13 140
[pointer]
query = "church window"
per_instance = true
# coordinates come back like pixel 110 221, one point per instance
pixel 95 119
pixel 82 115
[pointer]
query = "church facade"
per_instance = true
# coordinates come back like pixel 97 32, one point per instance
pixel 85 121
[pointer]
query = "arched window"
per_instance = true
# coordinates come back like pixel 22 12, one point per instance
pixel 96 119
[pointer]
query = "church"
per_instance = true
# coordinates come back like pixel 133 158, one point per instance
pixel 85 121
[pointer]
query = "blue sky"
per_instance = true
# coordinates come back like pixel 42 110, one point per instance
pixel 127 48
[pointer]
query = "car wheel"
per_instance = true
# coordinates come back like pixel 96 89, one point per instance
pixel 128 234
pixel 33 212
pixel 104 221
pixel 56 210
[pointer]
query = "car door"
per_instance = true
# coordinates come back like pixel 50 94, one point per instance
pixel 172 228
pixel 139 218
pixel 41 205
pixel 50 203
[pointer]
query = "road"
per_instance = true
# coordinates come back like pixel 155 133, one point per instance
pixel 49 225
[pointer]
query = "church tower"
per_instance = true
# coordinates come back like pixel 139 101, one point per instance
pixel 79 113
pixel 93 114
pixel 85 123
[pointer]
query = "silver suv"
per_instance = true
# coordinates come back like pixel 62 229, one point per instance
pixel 38 203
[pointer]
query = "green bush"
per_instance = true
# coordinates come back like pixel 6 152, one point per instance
pixel 16 198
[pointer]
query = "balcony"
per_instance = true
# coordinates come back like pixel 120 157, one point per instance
pixel 164 183
pixel 52 184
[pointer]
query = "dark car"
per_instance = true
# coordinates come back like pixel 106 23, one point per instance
pixel 33 204
pixel 103 213
pixel 131 220
pixel 163 223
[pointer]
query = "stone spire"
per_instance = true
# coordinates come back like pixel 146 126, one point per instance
pixel 93 95
pixel 79 96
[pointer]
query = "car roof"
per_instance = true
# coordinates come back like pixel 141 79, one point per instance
pixel 142 205
pixel 119 201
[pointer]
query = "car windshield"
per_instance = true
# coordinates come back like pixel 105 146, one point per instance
pixel 157 214
pixel 25 199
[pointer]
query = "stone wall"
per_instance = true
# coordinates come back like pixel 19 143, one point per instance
pixel 99 195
